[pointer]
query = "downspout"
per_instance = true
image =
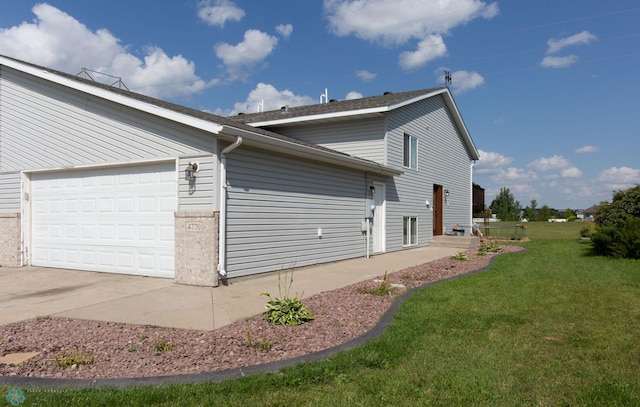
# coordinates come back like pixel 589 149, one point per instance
pixel 471 182
pixel 222 229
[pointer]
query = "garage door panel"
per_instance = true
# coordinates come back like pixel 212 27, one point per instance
pixel 115 220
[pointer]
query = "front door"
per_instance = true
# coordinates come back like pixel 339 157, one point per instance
pixel 437 210
pixel 378 230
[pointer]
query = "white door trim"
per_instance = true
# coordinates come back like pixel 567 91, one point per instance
pixel 379 219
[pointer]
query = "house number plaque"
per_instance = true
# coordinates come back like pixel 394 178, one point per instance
pixel 194 226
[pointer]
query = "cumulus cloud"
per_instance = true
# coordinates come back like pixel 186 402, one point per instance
pixel 57 40
pixel 271 98
pixel 428 49
pixel 397 22
pixel 571 172
pixel 556 162
pixel 284 30
pixel 254 48
pixel 587 149
pixel 218 12
pixel 353 95
pixel 366 75
pixel 490 162
pixel 619 178
pixel 461 81
pixel 559 62
pixel 555 45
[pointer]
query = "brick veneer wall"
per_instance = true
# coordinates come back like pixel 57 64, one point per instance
pixel 10 231
pixel 196 248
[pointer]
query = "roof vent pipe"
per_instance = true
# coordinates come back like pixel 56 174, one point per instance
pixel 324 96
pixel 222 233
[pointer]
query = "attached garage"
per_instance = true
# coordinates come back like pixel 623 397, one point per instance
pixel 116 219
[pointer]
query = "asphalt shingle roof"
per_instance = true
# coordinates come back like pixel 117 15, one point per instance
pixel 387 99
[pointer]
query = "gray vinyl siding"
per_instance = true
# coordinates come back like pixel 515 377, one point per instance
pixel 362 138
pixel 43 125
pixel 10 192
pixel 276 205
pixel 200 193
pixel 442 159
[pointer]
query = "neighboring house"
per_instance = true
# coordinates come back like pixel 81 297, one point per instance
pixel 102 179
pixel 589 214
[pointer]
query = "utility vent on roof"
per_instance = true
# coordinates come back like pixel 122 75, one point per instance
pixel 332 100
pixel 387 93
pixel 284 109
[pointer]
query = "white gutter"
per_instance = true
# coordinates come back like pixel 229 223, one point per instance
pixel 222 221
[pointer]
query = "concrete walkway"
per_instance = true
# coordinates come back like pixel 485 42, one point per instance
pixel 30 292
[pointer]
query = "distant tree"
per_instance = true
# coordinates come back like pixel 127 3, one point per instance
pixel 625 202
pixel 570 214
pixel 531 213
pixel 505 206
pixel 545 213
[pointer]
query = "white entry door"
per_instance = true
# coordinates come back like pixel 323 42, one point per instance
pixel 379 218
pixel 118 220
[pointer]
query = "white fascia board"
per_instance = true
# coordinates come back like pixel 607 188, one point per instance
pixel 114 97
pixel 416 99
pixel 303 151
pixel 322 116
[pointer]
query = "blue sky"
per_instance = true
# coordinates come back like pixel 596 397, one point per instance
pixel 549 90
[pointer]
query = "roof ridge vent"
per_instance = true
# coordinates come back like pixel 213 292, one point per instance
pixel 387 93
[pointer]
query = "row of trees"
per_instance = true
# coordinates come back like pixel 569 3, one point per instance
pixel 505 207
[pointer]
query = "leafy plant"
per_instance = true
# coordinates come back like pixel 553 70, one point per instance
pixel 492 247
pixel 286 310
pixel 587 229
pixel 143 335
pixel 66 359
pixel 461 256
pixel 162 345
pixel 383 288
pixel 619 241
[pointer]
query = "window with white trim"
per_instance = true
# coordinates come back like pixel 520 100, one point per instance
pixel 410 155
pixel 409 231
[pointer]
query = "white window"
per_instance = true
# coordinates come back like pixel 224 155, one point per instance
pixel 409 231
pixel 410 156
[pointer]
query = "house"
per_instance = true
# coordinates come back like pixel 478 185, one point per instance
pixel 98 178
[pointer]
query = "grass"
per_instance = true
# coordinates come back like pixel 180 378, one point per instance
pixel 552 326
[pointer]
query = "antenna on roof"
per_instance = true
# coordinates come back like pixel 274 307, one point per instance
pixel 447 78
pixel 84 73
pixel 261 106
pixel 324 96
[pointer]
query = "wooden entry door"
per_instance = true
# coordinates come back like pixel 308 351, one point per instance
pixel 437 210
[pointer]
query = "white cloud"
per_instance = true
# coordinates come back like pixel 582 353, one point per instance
pixel 396 22
pixel 490 162
pixel 516 174
pixel 555 162
pixel 218 12
pixel 428 49
pixel 619 178
pixel 57 40
pixel 461 81
pixel 284 30
pixel 555 45
pixel 559 62
pixel 587 149
pixel 255 47
pixel 353 95
pixel 272 98
pixel 366 75
pixel 571 172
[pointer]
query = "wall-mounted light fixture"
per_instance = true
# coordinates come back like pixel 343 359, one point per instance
pixel 372 189
pixel 446 192
pixel 191 170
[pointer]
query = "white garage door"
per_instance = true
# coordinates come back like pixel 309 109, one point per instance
pixel 118 220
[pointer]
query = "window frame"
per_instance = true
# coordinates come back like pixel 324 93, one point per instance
pixel 409 231
pixel 410 151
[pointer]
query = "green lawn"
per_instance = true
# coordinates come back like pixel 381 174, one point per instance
pixel 552 326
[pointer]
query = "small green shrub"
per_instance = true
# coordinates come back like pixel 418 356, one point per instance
pixel 587 230
pixel 383 288
pixel 162 345
pixel 460 256
pixel 286 310
pixel 66 359
pixel 619 241
pixel 492 247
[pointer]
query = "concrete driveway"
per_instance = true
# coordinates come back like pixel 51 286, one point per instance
pixel 30 292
